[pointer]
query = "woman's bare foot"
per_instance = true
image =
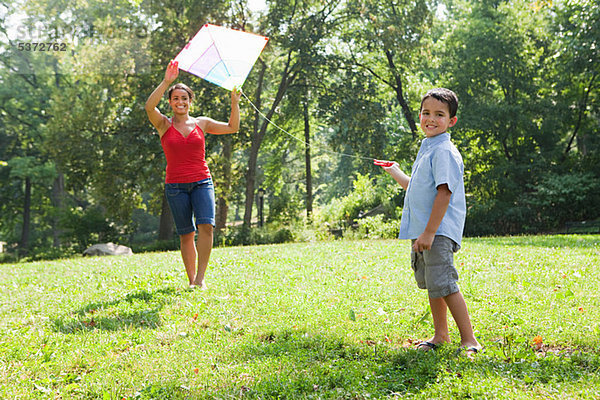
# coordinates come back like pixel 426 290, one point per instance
pixel 201 286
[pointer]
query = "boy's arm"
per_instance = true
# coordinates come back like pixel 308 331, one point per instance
pixel 392 168
pixel 440 205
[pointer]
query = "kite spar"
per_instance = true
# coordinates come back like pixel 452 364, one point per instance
pixel 221 55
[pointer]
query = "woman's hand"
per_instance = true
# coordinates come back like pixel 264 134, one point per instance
pixel 172 71
pixel 236 95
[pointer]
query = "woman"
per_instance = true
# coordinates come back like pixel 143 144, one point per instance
pixel 188 184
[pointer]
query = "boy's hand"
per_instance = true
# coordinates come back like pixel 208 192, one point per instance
pixel 387 165
pixel 393 168
pixel 423 242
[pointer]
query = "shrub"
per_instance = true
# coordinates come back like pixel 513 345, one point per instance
pixel 376 228
pixel 545 207
pixel 90 226
pixel 159 245
pixel 283 235
pixel 496 218
pixel 240 236
pixel 368 194
pixel 343 211
pixel 557 199
pixel 285 207
pixel 8 258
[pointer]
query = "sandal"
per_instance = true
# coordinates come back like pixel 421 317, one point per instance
pixel 470 351
pixel 426 346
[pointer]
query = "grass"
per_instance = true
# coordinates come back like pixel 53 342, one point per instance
pixel 326 320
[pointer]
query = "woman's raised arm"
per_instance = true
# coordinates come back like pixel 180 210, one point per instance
pixel 220 128
pixel 154 115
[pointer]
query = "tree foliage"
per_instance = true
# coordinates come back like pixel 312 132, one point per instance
pixel 343 77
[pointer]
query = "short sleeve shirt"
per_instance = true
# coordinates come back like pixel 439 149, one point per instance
pixel 438 162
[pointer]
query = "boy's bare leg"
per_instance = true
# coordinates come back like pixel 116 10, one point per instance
pixel 458 308
pixel 204 244
pixel 189 254
pixel 440 321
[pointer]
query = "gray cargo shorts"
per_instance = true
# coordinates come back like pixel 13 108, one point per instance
pixel 434 269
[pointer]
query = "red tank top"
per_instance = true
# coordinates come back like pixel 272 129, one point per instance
pixel 186 161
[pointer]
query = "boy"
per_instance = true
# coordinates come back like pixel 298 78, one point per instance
pixel 433 217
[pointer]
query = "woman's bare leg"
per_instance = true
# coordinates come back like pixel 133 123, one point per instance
pixel 189 254
pixel 204 244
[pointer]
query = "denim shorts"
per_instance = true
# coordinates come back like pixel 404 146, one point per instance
pixel 189 202
pixel 434 269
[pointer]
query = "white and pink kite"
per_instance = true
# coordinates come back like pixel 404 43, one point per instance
pixel 221 55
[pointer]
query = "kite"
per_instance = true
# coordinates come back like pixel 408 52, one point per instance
pixel 221 55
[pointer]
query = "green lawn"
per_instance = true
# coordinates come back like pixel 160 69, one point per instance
pixel 335 320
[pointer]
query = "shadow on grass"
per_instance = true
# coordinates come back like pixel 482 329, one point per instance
pixel 136 310
pixel 296 364
pixel 292 364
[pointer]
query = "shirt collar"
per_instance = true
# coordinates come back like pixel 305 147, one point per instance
pixel 437 139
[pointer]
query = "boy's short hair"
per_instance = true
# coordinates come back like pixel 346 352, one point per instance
pixel 445 96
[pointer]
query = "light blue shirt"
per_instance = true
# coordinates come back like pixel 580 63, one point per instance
pixel 438 162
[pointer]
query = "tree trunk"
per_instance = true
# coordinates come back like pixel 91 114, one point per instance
pixel 251 171
pixel 58 195
pixel 250 182
pixel 225 182
pixel 309 195
pixel 222 212
pixel 286 79
pixel 581 111
pixel 165 227
pixel 24 243
pixel 400 94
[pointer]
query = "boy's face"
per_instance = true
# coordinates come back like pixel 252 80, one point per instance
pixel 435 117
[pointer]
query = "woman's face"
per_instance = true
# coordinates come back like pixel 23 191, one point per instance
pixel 180 101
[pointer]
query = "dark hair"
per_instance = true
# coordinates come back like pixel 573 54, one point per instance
pixel 182 87
pixel 445 96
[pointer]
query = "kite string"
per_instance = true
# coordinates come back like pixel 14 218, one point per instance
pixel 300 140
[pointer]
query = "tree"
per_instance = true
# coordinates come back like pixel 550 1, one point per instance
pixel 525 77
pixel 577 27
pixel 353 110
pixel 385 38
pixel 113 155
pixel 296 29
pixel 492 60
pixel 28 78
